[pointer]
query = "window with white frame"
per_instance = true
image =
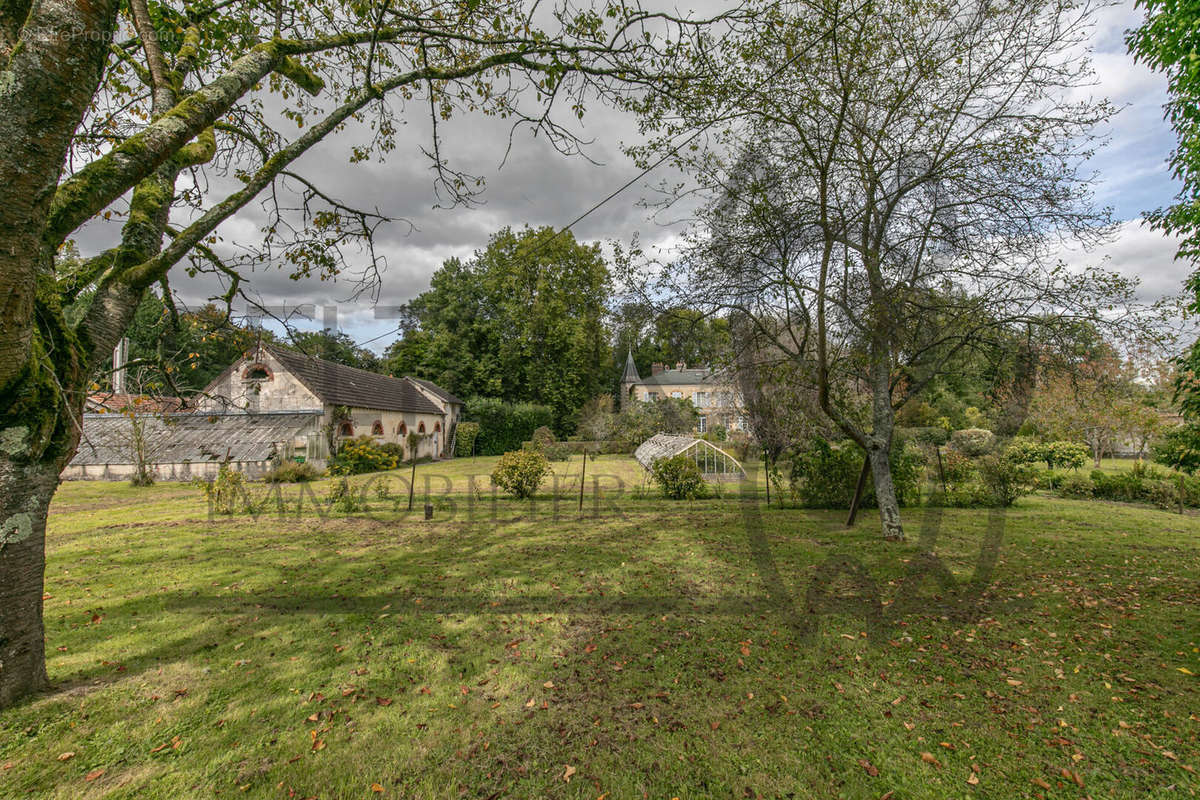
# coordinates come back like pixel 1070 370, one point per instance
pixel 677 395
pixel 702 424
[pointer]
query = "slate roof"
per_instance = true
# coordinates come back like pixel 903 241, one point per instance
pixel 679 377
pixel 631 374
pixel 197 436
pixel 433 387
pixel 340 385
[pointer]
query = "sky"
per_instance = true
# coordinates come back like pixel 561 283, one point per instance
pixel 537 186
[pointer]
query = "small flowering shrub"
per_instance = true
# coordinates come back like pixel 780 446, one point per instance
pixel 520 472
pixel 360 455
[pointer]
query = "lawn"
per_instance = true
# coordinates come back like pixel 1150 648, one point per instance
pixel 647 649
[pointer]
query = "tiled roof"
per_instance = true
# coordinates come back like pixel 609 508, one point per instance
pixel 340 385
pixel 195 437
pixel 433 387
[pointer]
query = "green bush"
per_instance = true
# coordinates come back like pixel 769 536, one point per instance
pixel 1024 450
pixel 931 435
pixel 824 475
pixel 1179 448
pixel 343 496
pixel 679 477
pixel 503 427
pixel 1078 486
pixel 292 472
pixel 360 455
pixel 1005 479
pixel 543 442
pixel 520 472
pixel 1065 455
pixel 225 490
pixel 973 441
pixel 464 438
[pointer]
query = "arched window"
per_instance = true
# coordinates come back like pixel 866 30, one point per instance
pixel 257 372
pixel 437 427
pixel 346 429
pixel 377 428
pixel 402 430
pixel 421 428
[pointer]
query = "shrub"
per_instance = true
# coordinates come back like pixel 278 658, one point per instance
pixel 679 477
pixel 1067 455
pixel 1023 450
pixel 520 472
pixel 543 442
pixel 1077 485
pixel 1179 448
pixel 504 426
pixel 825 475
pixel 1004 479
pixel 393 449
pixel 360 455
pixel 223 491
pixel 292 472
pixel 345 497
pixel 928 435
pixel 973 441
pixel 464 438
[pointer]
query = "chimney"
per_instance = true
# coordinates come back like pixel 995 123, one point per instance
pixel 120 357
pixel 657 367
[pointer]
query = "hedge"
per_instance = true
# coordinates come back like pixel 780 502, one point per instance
pixel 503 427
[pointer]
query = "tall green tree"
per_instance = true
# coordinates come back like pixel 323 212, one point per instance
pixel 126 110
pixel 523 320
pixel 888 190
pixel 335 346
pixel 1169 42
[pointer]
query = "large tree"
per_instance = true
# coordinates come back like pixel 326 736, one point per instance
pixel 524 320
pixel 170 117
pixel 889 182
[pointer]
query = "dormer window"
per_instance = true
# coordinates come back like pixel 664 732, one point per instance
pixel 421 428
pixel 377 428
pixel 402 430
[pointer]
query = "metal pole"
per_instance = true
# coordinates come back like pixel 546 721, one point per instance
pixel 582 477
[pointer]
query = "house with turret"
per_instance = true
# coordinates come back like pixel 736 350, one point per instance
pixel 714 393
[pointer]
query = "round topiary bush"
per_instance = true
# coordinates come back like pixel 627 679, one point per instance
pixel 679 478
pixel 520 472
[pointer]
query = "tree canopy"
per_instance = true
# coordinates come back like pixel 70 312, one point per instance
pixel 523 320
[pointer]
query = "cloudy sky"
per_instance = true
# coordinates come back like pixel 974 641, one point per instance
pixel 537 186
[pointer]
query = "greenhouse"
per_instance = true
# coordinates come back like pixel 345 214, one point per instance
pixel 714 463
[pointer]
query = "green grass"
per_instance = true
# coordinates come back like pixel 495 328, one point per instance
pixel 481 657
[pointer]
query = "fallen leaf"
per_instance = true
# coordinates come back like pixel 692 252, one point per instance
pixel 383 701
pixel 531 703
pixel 568 772
pixel 7 766
pixel 96 773
pixel 67 756
pixel 870 768
pixel 973 779
pixel 548 685
pixel 1013 682
pixel 714 724
pixel 1185 671
pixel 376 788
pixel 928 758
pixel 318 744
pixel 1040 782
